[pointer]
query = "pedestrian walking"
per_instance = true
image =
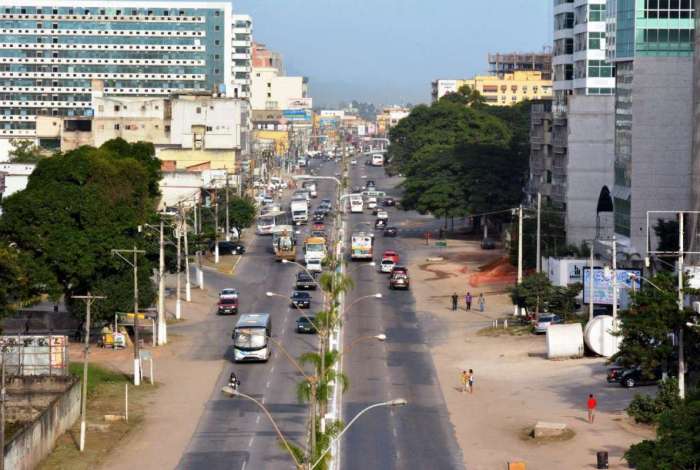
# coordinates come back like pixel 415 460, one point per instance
pixel 470 380
pixel 468 300
pixel 482 302
pixel 464 378
pixel 455 299
pixel 592 405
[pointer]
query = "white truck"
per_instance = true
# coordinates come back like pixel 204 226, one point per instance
pixel 356 204
pixel 311 187
pixel 377 159
pixel 300 211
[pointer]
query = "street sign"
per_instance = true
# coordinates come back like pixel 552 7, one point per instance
pixel 373 193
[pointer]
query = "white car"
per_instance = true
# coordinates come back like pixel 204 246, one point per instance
pixel 383 215
pixel 353 162
pixel 314 265
pixel 372 203
pixel 387 265
pixel 546 319
pixel 228 293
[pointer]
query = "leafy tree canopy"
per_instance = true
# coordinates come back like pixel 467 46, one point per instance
pixel 24 151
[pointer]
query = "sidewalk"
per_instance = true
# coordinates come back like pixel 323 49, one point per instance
pixel 515 385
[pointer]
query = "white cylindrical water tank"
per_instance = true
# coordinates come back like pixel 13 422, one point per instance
pixel 599 337
pixel 564 341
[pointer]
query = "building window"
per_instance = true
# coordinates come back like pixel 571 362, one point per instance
pixel 198 110
pixel 216 71
pixel 269 95
pixel 600 68
pixel 116 108
pixel 209 129
pixel 217 28
pixel 167 128
pixel 596 41
pixel 217 42
pixel 596 12
pixel 116 127
pixel 217 13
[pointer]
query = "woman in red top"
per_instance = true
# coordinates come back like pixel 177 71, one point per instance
pixel 592 404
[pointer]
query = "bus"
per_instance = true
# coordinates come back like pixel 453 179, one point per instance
pixel 361 246
pixel 377 159
pixel 284 243
pixel 269 220
pixel 356 204
pixel 250 337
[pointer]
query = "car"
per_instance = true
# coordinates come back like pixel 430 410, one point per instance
pixel 319 233
pixel 353 162
pixel 318 216
pixel 314 266
pixel 488 244
pixel 389 202
pixel 399 269
pixel 227 306
pixel 370 184
pixel 228 292
pixel 387 265
pixel 304 281
pixel 384 215
pixel 318 226
pixel 399 280
pixel 614 374
pixel 306 325
pixel 392 255
pixel 230 248
pixel 380 224
pixel 391 232
pixel 634 377
pixel 372 203
pixel 300 299
pixel 546 319
pixel 356 189
pixel 375 210
pixel 170 211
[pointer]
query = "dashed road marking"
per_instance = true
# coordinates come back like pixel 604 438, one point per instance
pixel 257 419
pixel 250 442
pixel 267 384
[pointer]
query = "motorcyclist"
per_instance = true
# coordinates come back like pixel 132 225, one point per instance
pixel 233 381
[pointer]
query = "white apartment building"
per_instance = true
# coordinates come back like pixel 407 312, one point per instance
pixel 242 55
pixel 579 61
pixel 271 90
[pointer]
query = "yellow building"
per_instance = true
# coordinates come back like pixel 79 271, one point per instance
pixel 177 158
pixel 280 139
pixel 512 88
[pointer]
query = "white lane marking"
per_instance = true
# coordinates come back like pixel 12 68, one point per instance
pixel 267 384
pixel 250 442
pixel 393 431
pixel 257 419
pixel 272 370
pixel 244 464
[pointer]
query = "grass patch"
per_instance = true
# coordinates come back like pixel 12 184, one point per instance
pixel 512 330
pixel 105 396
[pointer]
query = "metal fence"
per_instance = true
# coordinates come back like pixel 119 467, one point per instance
pixel 33 355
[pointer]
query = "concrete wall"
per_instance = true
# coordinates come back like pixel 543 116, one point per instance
pixel 219 118
pixel 591 149
pixel 17 176
pixel 662 134
pixel 36 440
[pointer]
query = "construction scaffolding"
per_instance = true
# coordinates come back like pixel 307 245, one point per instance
pixel 500 64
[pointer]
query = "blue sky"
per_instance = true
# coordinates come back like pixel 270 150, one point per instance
pixel 388 51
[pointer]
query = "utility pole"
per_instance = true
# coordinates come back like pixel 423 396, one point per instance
pixel 520 244
pixel 162 334
pixel 216 227
pixel 614 279
pixel 681 346
pixel 188 285
pixel 178 286
pixel 134 264
pixel 590 282
pixel 539 209
pixel 89 299
pixel 228 233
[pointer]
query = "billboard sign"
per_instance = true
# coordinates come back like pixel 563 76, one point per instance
pixel 602 285
pixel 300 103
pixel 296 114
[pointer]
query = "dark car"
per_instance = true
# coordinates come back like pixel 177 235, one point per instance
pixel 301 299
pixel 399 280
pixel 633 377
pixel 399 269
pixel 371 184
pixel 380 224
pixel 389 202
pixel 305 282
pixel 318 216
pixel 488 244
pixel 230 248
pixel 614 374
pixel 319 233
pixel 305 325
pixel 391 232
pixel 227 306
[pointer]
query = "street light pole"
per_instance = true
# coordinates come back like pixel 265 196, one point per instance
pixel 178 284
pixel 89 299
pixel 520 244
pixel 162 335
pixel 539 206
pixel 681 346
pixel 614 279
pixel 228 233
pixel 188 285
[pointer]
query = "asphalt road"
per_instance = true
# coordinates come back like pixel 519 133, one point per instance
pixel 233 433
pixel 416 436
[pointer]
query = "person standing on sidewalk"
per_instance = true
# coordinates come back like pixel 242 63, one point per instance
pixel 464 377
pixel 455 299
pixel 468 300
pixel 592 405
pixel 470 380
pixel 482 302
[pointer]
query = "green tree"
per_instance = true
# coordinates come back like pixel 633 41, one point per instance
pixel 534 292
pixel 17 285
pixel 75 209
pixel 563 299
pixel 24 151
pixel 242 212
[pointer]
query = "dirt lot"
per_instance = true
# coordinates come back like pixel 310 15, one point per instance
pixel 515 385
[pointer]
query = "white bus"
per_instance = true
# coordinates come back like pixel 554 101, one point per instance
pixel 377 159
pixel 250 337
pixel 269 220
pixel 361 246
pixel 356 204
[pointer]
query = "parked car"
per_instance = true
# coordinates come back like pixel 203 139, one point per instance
pixel 389 202
pixel 633 377
pixel 399 280
pixel 546 319
pixel 614 374
pixel 305 325
pixel 305 282
pixel 391 232
pixel 488 244
pixel 227 306
pixel 301 299
pixel 230 248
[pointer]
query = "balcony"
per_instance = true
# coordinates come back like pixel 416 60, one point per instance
pixel 241 43
pixel 240 56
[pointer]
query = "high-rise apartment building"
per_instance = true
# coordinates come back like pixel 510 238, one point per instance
pixel 501 64
pixel 51 51
pixel 242 55
pixel 651 43
pixel 580 65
